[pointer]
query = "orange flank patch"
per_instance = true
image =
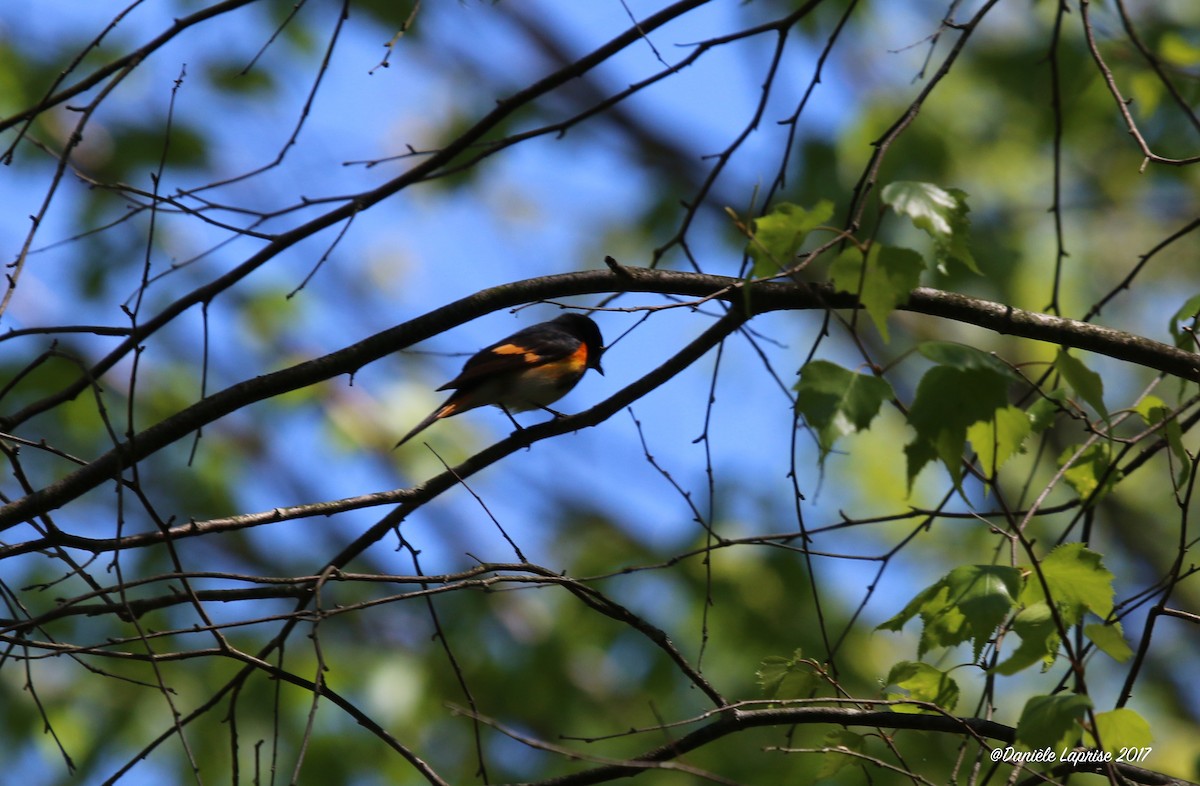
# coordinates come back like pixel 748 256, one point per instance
pixel 570 367
pixel 578 359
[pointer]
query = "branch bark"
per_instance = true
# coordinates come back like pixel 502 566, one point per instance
pixel 735 720
pixel 761 296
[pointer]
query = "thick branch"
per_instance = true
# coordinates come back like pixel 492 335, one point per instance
pixel 765 296
pixel 427 169
pixel 734 720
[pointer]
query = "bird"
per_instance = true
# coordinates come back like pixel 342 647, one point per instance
pixel 531 369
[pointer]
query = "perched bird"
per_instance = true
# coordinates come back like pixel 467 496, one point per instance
pixel 531 369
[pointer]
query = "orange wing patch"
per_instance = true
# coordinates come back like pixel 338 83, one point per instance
pixel 531 358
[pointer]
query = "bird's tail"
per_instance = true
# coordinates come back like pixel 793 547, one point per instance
pixel 444 411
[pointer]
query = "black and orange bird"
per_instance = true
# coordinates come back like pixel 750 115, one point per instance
pixel 531 369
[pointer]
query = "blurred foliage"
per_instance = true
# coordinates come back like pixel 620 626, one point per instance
pixel 457 647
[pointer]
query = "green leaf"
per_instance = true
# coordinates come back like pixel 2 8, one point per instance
pixel 998 439
pixel 983 594
pixel 891 274
pixel 1043 411
pixel 839 738
pixel 1121 728
pixel 1051 721
pixel 778 236
pixel 940 213
pixel 787 678
pixel 1154 411
pixel 921 682
pixel 1086 383
pixel 142 145
pixel 1108 637
pixel 967 604
pixel 1186 316
pixel 913 608
pixel 235 78
pixel 963 356
pixel 1145 93
pixel 836 402
pixel 1178 50
pixel 1039 640
pixel 1089 470
pixel 1077 581
pixel 949 400
pixel 920 452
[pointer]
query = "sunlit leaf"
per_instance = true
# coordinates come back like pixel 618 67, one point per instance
pixel 1109 639
pixel 1092 472
pixel 1039 640
pixel 1154 411
pixel 778 236
pixel 1121 728
pixel 920 600
pixel 921 682
pixel 967 604
pixel 1077 581
pixel 1183 324
pixel 941 213
pixel 999 439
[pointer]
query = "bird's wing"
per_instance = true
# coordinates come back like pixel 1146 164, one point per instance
pixel 516 353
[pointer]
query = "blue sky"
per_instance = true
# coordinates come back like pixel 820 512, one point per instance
pixel 545 207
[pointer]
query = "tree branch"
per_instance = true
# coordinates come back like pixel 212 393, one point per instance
pixel 735 720
pixel 763 297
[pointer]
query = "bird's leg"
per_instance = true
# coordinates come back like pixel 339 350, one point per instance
pixel 508 414
pixel 504 409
